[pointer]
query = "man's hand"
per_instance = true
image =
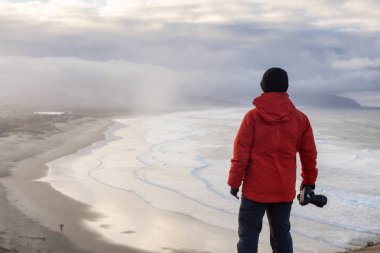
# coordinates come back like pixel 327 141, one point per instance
pixel 234 192
pixel 306 194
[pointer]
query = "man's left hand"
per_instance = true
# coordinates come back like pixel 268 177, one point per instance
pixel 234 192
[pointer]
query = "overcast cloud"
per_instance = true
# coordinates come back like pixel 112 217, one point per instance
pixel 140 51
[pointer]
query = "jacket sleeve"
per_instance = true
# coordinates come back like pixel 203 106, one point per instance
pixel 308 156
pixel 241 153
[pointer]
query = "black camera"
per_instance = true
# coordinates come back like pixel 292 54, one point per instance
pixel 307 196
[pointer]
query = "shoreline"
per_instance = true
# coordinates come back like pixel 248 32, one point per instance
pixel 47 207
pixel 368 249
pixel 43 205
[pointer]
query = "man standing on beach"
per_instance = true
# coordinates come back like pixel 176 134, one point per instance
pixel 264 159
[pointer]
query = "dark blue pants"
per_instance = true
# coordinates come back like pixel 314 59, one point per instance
pixel 251 215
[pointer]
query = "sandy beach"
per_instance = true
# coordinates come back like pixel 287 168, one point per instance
pixel 32 211
pixel 369 249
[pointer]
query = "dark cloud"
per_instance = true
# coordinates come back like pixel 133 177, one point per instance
pixel 124 57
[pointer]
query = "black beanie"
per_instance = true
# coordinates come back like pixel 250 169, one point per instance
pixel 275 80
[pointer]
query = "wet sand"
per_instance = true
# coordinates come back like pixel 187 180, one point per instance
pixel 369 249
pixel 43 208
pixel 31 211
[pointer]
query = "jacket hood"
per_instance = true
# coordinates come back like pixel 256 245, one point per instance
pixel 274 106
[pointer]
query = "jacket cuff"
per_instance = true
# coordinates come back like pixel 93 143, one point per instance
pixel 304 184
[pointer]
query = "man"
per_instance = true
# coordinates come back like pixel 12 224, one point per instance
pixel 264 160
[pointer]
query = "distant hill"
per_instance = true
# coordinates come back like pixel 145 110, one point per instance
pixel 299 99
pixel 324 100
pixel 71 102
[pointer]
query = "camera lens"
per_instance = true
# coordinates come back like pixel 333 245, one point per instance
pixel 319 200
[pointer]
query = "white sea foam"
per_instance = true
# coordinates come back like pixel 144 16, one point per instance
pixel 179 162
pixel 50 113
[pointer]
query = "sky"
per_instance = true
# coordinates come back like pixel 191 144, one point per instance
pixel 148 52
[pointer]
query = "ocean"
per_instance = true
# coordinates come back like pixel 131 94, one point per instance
pixel 178 162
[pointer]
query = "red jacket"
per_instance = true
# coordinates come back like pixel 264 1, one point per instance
pixel 265 148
